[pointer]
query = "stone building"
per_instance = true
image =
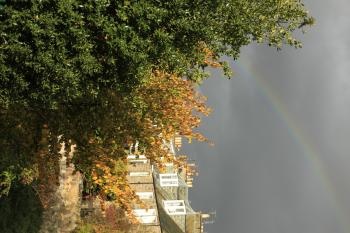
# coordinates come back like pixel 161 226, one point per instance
pixel 166 193
pixel 63 212
pixel 175 211
pixel 141 180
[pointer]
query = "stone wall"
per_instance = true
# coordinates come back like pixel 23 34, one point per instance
pixel 63 213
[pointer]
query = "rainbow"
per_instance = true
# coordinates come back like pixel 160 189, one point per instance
pixel 312 155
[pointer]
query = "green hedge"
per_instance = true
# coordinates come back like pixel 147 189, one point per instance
pixel 20 211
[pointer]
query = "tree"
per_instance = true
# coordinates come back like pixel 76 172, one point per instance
pixel 105 73
pixel 156 111
pixel 59 52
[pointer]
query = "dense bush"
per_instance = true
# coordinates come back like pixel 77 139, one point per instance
pixel 20 211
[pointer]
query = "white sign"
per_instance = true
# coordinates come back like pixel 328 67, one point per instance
pixel 175 207
pixel 169 180
pixel 139 174
pixel 145 195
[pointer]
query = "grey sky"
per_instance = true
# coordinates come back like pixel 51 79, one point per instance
pixel 281 130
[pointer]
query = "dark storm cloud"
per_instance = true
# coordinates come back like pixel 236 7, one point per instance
pixel 259 177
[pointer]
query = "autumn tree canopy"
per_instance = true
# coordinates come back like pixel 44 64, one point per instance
pixel 104 73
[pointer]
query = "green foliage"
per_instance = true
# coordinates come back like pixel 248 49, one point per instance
pixel 2 3
pixel 56 52
pixel 120 167
pixel 18 142
pixel 85 228
pixel 20 211
pixel 16 174
pixel 6 179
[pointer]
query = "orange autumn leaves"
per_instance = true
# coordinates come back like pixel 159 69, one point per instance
pixel 173 107
pixel 210 58
pixel 160 108
pixel 109 176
